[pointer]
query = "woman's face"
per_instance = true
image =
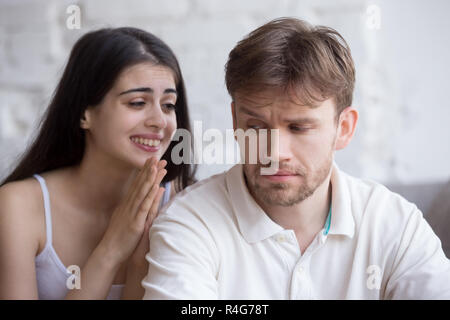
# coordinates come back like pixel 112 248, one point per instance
pixel 136 118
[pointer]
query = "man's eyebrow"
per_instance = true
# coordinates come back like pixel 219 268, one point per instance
pixel 302 121
pixel 149 90
pixel 250 112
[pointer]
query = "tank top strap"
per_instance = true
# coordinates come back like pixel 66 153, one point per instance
pixel 166 196
pixel 48 214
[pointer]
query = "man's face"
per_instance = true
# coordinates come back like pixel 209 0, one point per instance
pixel 307 138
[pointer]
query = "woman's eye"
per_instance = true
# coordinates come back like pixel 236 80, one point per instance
pixel 137 103
pixel 169 106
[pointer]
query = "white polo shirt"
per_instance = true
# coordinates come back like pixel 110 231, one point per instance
pixel 214 242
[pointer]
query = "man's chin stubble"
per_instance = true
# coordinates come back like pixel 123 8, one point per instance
pixel 277 197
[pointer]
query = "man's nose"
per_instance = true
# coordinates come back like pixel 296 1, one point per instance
pixel 275 147
pixel 281 148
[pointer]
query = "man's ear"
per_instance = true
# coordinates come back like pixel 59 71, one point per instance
pixel 346 127
pixel 85 121
pixel 233 113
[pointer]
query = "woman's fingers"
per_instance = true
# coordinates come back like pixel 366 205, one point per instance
pixel 159 176
pixel 129 218
pixel 154 210
pixel 149 163
pixel 161 164
pixel 146 189
pixel 143 186
pixel 141 178
pixel 145 206
pixel 156 167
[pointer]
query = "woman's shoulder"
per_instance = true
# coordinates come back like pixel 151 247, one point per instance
pixel 26 193
pixel 22 221
pixel 21 202
pixel 20 195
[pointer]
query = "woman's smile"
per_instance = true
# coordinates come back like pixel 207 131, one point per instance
pixel 147 142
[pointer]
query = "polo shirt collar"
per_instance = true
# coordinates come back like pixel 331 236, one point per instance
pixel 255 225
pixel 342 221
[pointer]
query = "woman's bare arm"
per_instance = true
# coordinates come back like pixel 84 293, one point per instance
pixel 20 228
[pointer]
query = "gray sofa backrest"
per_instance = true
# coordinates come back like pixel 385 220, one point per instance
pixel 434 202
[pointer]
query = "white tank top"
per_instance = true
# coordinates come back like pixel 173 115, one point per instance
pixel 51 273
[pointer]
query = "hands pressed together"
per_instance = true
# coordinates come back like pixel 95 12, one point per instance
pixel 126 238
pixel 127 233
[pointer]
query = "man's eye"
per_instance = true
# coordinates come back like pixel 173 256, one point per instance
pixel 137 103
pixel 255 126
pixel 298 129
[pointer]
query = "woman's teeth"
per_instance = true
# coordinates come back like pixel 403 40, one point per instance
pixel 146 142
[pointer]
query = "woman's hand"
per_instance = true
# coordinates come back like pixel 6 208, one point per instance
pixel 137 267
pixel 125 230
pixel 135 214
pixel 137 260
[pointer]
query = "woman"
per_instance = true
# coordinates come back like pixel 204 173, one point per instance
pixel 87 190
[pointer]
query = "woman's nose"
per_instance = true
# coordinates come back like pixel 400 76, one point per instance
pixel 155 117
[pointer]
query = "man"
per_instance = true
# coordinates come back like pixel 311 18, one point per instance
pixel 308 231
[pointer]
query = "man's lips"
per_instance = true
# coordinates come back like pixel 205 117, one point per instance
pixel 281 175
pixel 284 173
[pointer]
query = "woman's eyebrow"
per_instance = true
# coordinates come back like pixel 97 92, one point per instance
pixel 149 90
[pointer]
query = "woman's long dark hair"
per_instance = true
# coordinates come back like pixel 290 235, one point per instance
pixel 94 64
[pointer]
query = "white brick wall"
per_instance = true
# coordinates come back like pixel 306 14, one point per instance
pixel 35 43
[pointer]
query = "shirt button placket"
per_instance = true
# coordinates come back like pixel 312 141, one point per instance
pixel 300 269
pixel 301 283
